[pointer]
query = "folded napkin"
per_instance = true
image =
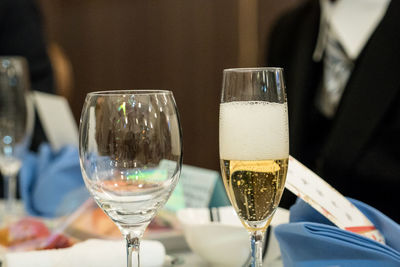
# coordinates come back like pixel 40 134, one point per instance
pixel 49 180
pixel 91 253
pixel 311 240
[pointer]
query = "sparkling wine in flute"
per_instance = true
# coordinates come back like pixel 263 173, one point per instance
pixel 254 188
pixel 254 158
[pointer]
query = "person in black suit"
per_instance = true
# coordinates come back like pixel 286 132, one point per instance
pixel 355 148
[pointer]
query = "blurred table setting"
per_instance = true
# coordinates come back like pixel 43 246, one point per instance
pixel 197 227
pixel 56 220
pixel 57 223
pixel 55 212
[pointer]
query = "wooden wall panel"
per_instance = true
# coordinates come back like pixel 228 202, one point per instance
pixel 268 12
pixel 181 45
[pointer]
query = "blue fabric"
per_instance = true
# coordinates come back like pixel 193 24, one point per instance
pixel 311 240
pixel 51 182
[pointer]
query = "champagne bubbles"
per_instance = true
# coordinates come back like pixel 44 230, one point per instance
pixel 253 130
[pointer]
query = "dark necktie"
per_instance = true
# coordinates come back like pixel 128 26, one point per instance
pixel 337 69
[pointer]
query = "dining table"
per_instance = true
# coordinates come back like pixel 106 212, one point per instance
pixel 178 252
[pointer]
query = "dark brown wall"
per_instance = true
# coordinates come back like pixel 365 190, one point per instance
pixel 268 12
pixel 181 45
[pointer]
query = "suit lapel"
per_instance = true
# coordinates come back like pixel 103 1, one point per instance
pixel 371 90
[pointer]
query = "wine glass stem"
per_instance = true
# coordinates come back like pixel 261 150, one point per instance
pixel 10 191
pixel 256 239
pixel 132 250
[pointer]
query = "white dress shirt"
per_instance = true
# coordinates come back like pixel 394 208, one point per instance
pixel 352 22
pixel 345 28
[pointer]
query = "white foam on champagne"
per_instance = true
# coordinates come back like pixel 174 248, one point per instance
pixel 253 130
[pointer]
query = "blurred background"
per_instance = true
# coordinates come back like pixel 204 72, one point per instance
pixel 168 44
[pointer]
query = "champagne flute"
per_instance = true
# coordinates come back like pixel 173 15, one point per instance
pixel 130 152
pixel 254 147
pixel 16 123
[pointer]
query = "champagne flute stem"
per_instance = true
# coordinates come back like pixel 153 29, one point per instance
pixel 132 250
pixel 256 239
pixel 10 191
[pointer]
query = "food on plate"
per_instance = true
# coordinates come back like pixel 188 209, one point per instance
pixel 31 234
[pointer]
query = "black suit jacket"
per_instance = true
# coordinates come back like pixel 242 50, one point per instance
pixel 358 151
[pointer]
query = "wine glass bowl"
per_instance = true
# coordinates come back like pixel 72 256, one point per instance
pixel 254 146
pixel 131 155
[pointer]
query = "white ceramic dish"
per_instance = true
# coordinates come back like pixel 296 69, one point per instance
pixel 224 242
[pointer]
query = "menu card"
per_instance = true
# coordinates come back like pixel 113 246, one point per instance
pixel 57 119
pixel 198 185
pixel 329 202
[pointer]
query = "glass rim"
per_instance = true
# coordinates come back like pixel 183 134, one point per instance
pixel 119 92
pixel 253 69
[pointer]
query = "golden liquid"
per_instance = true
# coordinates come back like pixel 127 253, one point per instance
pixel 254 188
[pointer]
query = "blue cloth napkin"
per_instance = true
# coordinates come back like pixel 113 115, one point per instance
pixel 51 182
pixel 311 240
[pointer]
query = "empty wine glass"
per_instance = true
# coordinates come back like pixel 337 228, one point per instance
pixel 16 123
pixel 254 147
pixel 131 156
